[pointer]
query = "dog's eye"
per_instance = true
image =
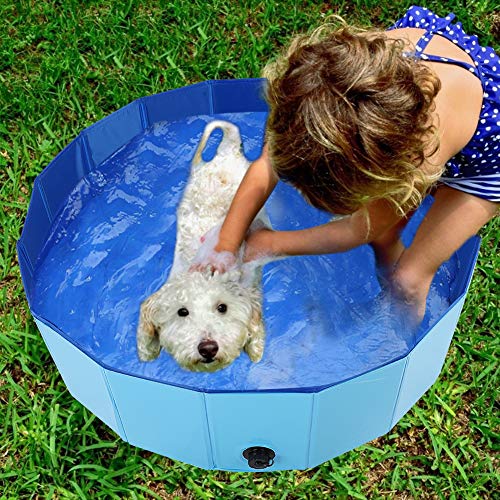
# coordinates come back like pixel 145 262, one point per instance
pixel 182 311
pixel 222 308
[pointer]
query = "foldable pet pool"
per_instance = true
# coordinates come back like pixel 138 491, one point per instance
pixel 340 367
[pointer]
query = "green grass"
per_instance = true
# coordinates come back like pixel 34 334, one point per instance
pixel 66 64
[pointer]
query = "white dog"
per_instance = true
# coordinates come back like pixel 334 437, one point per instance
pixel 204 319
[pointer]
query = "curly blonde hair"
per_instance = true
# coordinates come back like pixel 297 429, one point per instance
pixel 350 119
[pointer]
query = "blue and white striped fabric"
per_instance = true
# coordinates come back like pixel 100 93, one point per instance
pixel 476 168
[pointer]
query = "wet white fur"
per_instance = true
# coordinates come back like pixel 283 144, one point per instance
pixel 205 202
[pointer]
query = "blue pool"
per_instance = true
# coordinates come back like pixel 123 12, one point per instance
pixel 342 362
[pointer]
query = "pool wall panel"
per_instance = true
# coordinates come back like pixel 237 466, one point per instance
pixel 467 255
pixel 425 361
pixel 85 379
pixel 111 133
pixel 247 95
pixel 163 419
pixel 354 412
pixel 63 174
pixel 279 421
pixel 25 269
pixel 37 225
pixel 178 103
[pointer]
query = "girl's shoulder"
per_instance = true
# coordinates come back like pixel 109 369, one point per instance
pixel 473 99
pixel 456 118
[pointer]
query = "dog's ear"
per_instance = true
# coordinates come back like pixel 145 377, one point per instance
pixel 256 338
pixel 148 341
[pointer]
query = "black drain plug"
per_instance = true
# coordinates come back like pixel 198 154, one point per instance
pixel 259 457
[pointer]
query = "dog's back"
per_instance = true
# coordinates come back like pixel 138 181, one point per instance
pixel 205 203
pixel 210 190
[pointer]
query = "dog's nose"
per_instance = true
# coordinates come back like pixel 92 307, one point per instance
pixel 208 349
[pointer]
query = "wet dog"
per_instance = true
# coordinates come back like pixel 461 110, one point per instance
pixel 204 319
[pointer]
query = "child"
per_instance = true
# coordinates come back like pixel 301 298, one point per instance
pixel 366 123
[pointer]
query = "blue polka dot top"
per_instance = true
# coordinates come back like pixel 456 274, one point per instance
pixel 476 168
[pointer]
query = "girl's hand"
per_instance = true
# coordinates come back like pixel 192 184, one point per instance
pixel 210 256
pixel 258 244
pixel 215 261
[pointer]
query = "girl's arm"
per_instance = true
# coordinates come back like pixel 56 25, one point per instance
pixel 340 235
pixel 255 188
pixel 253 191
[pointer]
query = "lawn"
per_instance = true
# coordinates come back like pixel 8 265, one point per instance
pixel 64 65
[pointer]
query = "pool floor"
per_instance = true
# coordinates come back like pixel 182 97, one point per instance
pixel 112 245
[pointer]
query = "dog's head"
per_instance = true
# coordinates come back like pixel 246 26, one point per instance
pixel 203 320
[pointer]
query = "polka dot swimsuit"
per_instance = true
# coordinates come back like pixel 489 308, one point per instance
pixel 476 168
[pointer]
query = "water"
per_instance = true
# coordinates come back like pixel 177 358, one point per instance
pixel 112 246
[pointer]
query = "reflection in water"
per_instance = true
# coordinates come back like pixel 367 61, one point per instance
pixel 326 318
